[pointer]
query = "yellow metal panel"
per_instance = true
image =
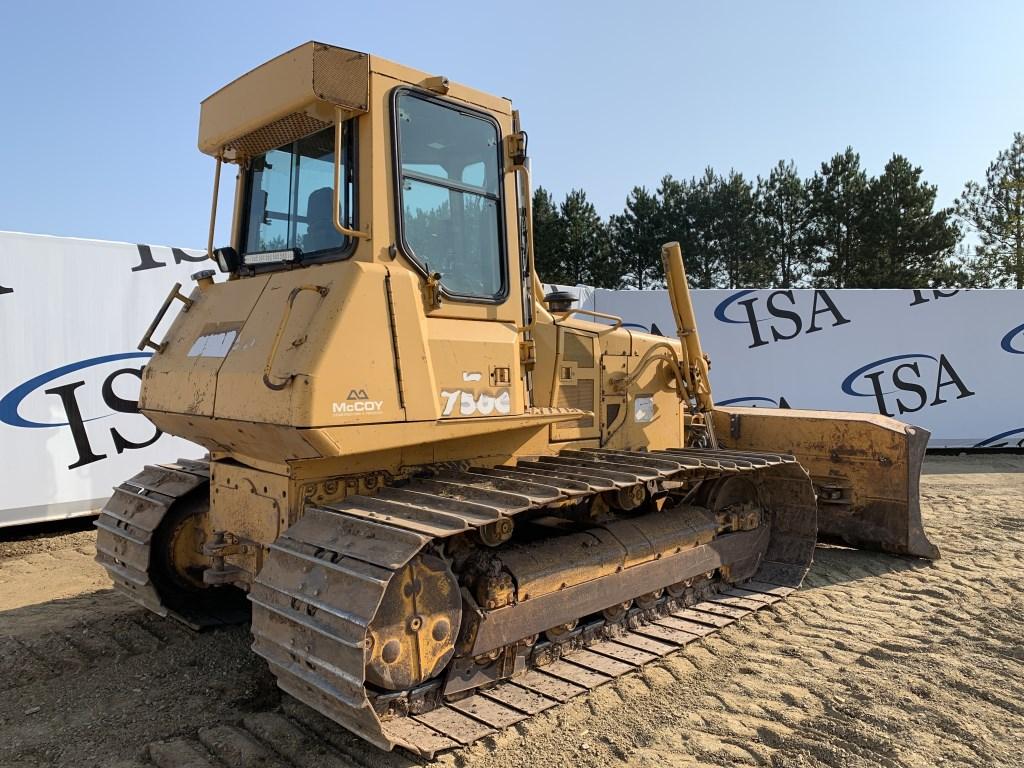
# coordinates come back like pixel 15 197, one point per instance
pixel 465 355
pixel 183 377
pixel 372 446
pixel 411 76
pixel 578 355
pixel 253 505
pixel 544 336
pixel 577 558
pixel 419 384
pixel 335 351
pixel 244 440
pixel 652 405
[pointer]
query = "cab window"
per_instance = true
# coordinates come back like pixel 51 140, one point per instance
pixel 449 194
pixel 290 196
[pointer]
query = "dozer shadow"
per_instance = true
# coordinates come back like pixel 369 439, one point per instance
pixel 834 565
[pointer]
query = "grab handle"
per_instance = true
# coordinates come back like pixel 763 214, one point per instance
pixel 147 340
pixel 277 386
pixel 592 313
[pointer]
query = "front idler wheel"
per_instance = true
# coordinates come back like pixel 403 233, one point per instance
pixel 412 636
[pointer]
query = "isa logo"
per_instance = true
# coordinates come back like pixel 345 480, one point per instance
pixel 907 383
pixel 1013 342
pixel 76 394
pixel 937 293
pixel 779 316
pixel 1013 438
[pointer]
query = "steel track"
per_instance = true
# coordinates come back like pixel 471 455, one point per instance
pixel 323 580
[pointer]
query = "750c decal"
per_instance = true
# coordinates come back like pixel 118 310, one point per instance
pixel 469 403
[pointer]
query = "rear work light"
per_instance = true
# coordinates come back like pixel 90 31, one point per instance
pixel 271 257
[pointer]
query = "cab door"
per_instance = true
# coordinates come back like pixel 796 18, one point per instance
pixel 455 216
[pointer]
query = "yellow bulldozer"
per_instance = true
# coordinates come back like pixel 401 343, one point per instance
pixel 451 500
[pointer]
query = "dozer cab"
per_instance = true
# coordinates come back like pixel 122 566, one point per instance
pixel 450 500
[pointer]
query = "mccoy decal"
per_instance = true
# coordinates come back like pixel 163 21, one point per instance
pixel 1013 342
pixel 1013 438
pixel 357 402
pixel 907 382
pixel 72 387
pixel 784 319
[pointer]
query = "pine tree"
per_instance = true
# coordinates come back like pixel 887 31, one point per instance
pixel 838 197
pixel 688 215
pixel 735 233
pixel 704 266
pixel 960 271
pixel 636 240
pixel 585 256
pixel 785 225
pixel 672 208
pixel 906 242
pixel 548 237
pixel 713 219
pixel 995 211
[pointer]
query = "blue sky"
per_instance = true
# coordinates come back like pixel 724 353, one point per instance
pixel 101 100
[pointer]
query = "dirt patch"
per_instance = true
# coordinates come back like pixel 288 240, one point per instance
pixel 879 660
pixel 46 537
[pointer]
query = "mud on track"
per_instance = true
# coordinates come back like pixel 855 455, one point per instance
pixel 879 660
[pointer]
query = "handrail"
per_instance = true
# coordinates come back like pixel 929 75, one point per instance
pixel 322 290
pixel 147 340
pixel 536 296
pixel 336 216
pixel 213 207
pixel 592 313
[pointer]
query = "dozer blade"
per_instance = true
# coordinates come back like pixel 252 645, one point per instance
pixel 866 470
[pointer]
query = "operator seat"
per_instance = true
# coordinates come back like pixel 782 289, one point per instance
pixel 320 231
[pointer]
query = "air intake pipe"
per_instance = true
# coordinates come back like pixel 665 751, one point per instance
pixel 696 367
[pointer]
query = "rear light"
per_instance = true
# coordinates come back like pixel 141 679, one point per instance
pixel 271 257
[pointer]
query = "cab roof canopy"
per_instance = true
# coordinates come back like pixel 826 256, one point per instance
pixel 296 94
pixel 290 96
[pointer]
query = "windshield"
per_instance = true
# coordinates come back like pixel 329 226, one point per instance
pixel 290 194
pixel 450 194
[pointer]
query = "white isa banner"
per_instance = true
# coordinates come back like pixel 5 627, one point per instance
pixel 949 361
pixel 71 314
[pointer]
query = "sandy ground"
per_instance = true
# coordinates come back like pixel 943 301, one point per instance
pixel 879 660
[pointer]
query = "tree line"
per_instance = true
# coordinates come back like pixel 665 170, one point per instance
pixel 839 228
